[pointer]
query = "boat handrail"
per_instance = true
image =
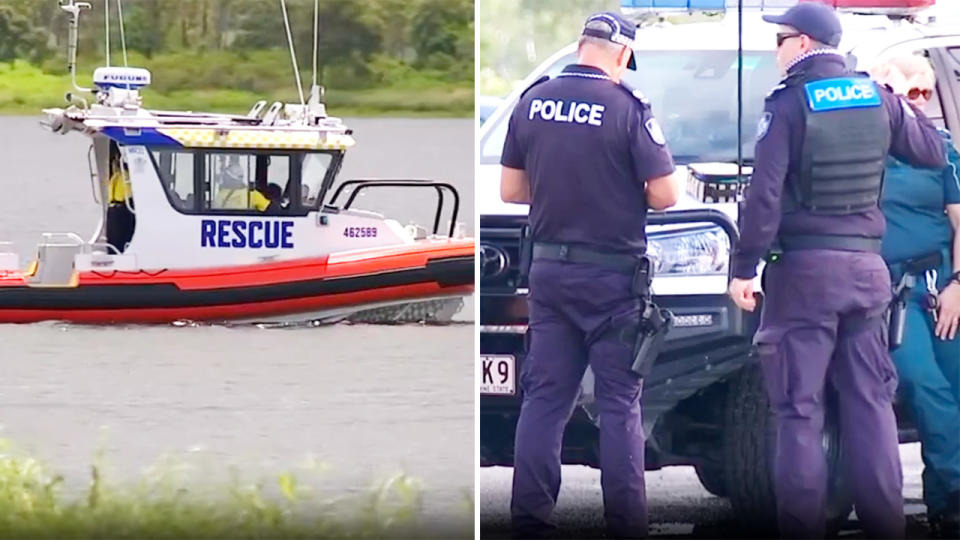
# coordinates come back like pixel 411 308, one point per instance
pixel 257 108
pixel 359 184
pixel 94 176
pixel 107 247
pixel 48 237
pixel 239 122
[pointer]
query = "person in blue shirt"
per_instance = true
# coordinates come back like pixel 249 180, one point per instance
pixel 922 209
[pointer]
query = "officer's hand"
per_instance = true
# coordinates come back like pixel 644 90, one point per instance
pixel 741 291
pixel 948 319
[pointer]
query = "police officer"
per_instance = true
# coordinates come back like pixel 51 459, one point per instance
pixel 821 145
pixel 587 154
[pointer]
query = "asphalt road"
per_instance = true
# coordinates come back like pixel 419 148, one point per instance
pixel 678 506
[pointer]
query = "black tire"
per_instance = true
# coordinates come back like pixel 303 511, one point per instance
pixel 712 479
pixel 747 434
pixel 748 448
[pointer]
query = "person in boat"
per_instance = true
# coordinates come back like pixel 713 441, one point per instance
pixel 234 193
pixel 922 210
pixel 120 217
pixel 274 193
pixel 308 199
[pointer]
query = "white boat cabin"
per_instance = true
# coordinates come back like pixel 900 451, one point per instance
pixel 188 190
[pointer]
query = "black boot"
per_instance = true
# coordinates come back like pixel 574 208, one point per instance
pixel 946 524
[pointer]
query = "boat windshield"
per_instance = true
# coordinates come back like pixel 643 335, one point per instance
pixel 694 97
pixel 315 169
pixel 227 181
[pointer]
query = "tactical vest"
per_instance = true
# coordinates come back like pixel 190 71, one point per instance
pixel 845 147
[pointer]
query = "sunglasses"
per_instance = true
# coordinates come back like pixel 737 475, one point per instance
pixel 915 93
pixel 783 37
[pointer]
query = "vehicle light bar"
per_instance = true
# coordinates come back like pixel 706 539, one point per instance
pixel 881 7
pixel 632 8
pixel 640 7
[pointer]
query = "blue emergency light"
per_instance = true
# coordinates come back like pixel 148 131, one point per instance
pixel 712 5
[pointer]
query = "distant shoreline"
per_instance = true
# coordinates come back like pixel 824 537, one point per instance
pixel 459 103
pixel 25 90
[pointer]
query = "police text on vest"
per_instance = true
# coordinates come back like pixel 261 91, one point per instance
pixel 558 111
pixel 842 93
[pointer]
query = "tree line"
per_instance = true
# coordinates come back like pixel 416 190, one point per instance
pixel 242 43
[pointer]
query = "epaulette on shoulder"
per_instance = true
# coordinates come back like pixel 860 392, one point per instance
pixel 635 93
pixel 545 78
pixel 778 88
pixel 792 79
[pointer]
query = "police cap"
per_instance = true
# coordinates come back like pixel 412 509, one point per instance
pixel 818 21
pixel 619 30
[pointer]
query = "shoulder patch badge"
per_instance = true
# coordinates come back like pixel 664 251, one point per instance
pixel 653 128
pixel 764 125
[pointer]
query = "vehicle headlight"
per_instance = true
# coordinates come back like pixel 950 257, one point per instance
pixel 689 252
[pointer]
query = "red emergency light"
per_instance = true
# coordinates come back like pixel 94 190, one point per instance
pixel 641 9
pixel 884 7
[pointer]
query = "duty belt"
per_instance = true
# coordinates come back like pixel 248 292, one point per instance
pixel 796 242
pixel 916 266
pixel 578 254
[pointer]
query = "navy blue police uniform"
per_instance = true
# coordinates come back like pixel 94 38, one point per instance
pixel 587 145
pixel 814 195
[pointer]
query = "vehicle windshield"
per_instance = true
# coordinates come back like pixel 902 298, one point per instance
pixel 694 97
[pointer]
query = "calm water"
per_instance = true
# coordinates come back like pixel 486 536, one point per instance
pixel 366 400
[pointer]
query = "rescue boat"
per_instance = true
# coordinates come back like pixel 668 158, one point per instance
pixel 231 218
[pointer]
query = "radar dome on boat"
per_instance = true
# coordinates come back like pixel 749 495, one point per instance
pixel 121 77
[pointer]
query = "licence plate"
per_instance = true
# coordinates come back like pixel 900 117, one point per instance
pixel 498 375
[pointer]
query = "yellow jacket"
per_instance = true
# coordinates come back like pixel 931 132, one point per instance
pixel 238 198
pixel 119 187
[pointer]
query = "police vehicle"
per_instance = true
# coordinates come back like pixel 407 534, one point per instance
pixel 237 217
pixel 703 404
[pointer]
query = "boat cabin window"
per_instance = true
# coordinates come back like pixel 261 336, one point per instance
pixel 244 182
pixel 315 168
pixel 176 173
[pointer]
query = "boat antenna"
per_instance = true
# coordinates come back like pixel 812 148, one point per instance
pixel 106 23
pixel 316 23
pixel 123 39
pixel 316 92
pixel 74 8
pixel 293 56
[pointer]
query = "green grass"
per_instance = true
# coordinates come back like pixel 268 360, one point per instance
pixel 26 89
pixel 33 505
